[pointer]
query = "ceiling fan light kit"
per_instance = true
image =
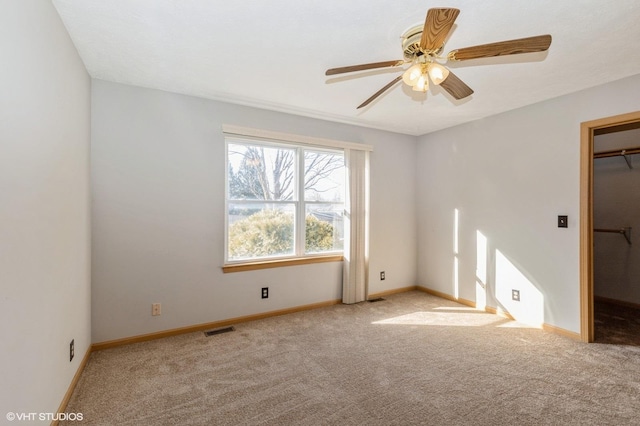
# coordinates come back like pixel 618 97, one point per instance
pixel 422 45
pixel 422 84
pixel 416 75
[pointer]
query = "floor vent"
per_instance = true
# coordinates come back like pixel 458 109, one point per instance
pixel 377 299
pixel 218 331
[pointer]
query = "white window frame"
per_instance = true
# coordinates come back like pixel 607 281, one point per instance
pixel 298 201
pixel 237 134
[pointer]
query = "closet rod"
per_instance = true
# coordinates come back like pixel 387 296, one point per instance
pixel 626 232
pixel 616 152
pixel 625 153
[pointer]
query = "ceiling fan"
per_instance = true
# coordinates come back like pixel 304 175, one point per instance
pixel 422 46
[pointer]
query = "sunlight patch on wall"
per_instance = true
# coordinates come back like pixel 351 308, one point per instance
pixel 456 266
pixel 481 270
pixel 530 308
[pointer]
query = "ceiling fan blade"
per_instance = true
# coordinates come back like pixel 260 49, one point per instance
pixel 437 26
pixel 509 47
pixel 456 87
pixel 363 67
pixel 380 92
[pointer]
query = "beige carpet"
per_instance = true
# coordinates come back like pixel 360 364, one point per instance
pixel 412 359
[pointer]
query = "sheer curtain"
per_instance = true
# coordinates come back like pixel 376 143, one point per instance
pixel 356 247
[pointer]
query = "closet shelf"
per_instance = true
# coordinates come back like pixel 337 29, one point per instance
pixel 626 232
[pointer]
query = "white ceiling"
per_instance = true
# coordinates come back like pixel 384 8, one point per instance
pixel 273 54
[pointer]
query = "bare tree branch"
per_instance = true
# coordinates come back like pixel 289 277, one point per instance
pixel 257 179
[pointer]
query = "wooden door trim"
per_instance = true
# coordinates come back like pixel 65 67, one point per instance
pixel 587 130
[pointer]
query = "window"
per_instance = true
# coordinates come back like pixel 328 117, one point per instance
pixel 283 201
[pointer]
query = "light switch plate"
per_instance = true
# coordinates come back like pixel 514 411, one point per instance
pixel 563 221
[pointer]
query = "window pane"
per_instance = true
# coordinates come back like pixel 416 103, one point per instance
pixel 323 176
pixel 324 228
pixel 261 230
pixel 261 173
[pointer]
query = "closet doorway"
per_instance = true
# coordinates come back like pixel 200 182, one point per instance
pixel 610 210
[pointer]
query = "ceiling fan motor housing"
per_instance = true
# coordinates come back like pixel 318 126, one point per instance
pixel 411 43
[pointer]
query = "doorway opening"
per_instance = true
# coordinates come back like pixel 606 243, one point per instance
pixel 588 131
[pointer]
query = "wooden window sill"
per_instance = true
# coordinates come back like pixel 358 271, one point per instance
pixel 265 264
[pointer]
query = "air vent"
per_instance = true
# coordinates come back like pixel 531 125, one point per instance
pixel 218 331
pixel 378 299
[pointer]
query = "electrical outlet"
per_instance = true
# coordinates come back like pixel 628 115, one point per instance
pixel 156 309
pixel 72 350
pixel 382 276
pixel 515 295
pixel 265 292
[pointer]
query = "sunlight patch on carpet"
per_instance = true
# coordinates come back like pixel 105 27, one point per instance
pixel 455 319
pixel 454 308
pixel 518 324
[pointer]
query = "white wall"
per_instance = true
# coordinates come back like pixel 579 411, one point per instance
pixel 44 208
pixel 616 204
pixel 158 213
pixel 509 176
